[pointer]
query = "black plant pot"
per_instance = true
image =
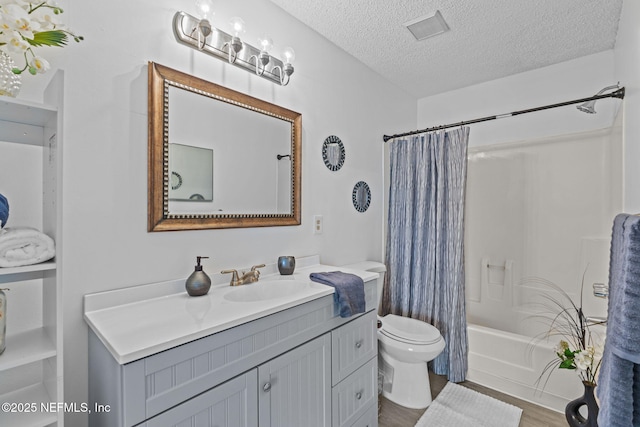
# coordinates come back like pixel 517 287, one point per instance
pixel 572 411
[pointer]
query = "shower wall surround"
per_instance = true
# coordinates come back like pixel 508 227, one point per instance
pixel 540 208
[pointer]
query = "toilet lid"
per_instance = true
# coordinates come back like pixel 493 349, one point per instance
pixel 409 330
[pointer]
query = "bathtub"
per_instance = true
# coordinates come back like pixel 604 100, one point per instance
pixel 512 363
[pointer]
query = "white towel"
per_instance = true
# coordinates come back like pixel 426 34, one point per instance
pixel 24 246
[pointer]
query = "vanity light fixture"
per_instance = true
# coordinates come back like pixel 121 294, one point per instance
pixel 286 70
pixel 198 33
pixel 263 57
pixel 235 45
pixel 205 7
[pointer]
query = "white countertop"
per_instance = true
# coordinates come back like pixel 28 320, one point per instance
pixel 137 322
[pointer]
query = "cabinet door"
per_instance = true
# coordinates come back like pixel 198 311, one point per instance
pixel 231 404
pixel 295 388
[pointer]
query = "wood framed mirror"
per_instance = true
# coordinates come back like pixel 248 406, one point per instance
pixel 253 147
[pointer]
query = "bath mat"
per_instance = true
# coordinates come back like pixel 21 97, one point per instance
pixel 458 406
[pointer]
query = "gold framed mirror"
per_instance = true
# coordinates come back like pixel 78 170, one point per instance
pixel 254 148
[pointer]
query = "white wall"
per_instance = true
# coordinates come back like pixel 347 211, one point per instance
pixel 575 79
pixel 627 70
pixel 105 243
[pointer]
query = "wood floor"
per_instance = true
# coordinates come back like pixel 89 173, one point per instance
pixel 392 415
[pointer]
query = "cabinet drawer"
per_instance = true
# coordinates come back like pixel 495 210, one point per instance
pixel 355 395
pixel 369 419
pixel 352 345
pixel 232 404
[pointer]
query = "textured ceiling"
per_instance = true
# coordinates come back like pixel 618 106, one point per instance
pixel 488 39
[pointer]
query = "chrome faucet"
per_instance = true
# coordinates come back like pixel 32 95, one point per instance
pixel 250 276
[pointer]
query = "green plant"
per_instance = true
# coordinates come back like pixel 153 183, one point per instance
pixel 579 348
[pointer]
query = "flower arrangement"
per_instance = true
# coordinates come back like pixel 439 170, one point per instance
pixel 25 25
pixel 579 348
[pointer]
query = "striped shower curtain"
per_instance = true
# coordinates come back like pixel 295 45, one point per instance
pixel 424 249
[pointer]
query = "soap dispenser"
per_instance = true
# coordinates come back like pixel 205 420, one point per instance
pixel 198 283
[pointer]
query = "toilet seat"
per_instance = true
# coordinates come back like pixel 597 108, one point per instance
pixel 408 330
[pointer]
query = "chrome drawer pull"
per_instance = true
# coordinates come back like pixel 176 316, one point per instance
pixel 267 387
pixel 359 344
pixel 359 395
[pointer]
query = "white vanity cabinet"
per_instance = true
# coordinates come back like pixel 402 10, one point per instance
pixel 294 389
pixel 355 371
pixel 31 366
pixel 231 404
pixel 301 366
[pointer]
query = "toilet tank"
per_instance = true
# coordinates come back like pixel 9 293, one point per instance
pixel 374 267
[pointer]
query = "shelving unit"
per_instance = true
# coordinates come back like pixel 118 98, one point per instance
pixel 31 368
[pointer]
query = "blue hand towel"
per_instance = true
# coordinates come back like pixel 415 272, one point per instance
pixel 349 294
pixel 619 382
pixel 4 211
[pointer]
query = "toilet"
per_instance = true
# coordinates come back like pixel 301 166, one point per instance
pixel 405 346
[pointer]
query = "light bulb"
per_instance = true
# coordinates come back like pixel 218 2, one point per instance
pixel 265 44
pixel 205 8
pixel 238 26
pixel 288 55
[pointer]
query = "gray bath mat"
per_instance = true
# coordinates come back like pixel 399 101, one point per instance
pixel 458 406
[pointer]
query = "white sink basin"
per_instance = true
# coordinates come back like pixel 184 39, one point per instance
pixel 267 290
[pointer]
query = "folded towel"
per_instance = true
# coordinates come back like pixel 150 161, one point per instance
pixel 24 246
pixel 623 325
pixel 349 294
pixel 4 211
pixel 619 381
pixel 619 392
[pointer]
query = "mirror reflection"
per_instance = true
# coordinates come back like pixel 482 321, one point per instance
pixel 252 180
pixel 249 178
pixel 191 173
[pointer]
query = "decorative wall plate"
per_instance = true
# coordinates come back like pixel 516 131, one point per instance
pixel 333 153
pixel 361 196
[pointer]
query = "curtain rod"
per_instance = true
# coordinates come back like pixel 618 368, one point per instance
pixel 616 94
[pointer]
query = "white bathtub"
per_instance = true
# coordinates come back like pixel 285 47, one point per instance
pixel 512 363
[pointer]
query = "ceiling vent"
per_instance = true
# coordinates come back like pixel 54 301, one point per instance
pixel 427 26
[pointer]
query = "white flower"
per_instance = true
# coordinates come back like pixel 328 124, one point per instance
pixel 561 347
pixel 583 360
pixel 13 17
pixel 46 18
pixel 40 64
pixel 25 25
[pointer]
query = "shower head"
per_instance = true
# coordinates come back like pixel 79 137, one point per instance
pixel 589 106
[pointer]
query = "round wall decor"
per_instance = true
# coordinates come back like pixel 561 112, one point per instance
pixel 361 196
pixel 333 153
pixel 176 180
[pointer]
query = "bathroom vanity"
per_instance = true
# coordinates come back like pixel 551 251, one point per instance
pixel 273 353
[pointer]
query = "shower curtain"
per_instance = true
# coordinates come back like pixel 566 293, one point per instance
pixel 424 249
